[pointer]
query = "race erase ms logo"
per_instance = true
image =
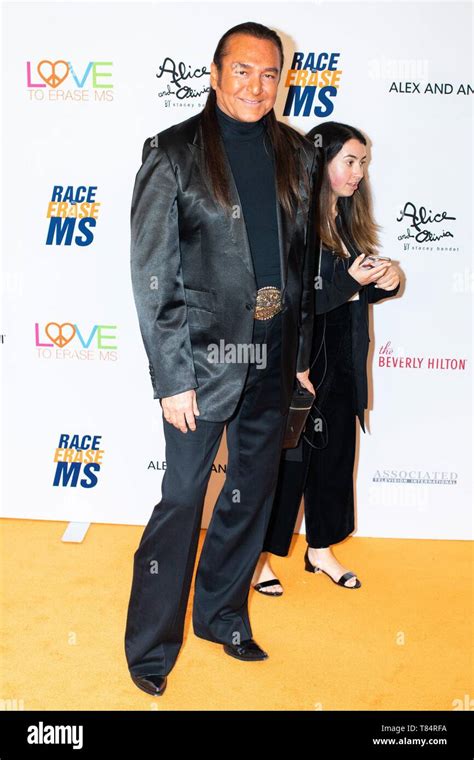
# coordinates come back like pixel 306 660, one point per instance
pixel 77 456
pixel 72 214
pixel 313 81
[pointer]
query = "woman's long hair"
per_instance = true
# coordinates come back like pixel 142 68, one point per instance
pixel 355 211
pixel 282 138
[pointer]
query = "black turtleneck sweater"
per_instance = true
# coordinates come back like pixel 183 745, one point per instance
pixel 254 174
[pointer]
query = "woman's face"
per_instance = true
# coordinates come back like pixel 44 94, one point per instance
pixel 346 169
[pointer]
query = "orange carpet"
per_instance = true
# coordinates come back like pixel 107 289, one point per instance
pixel 403 641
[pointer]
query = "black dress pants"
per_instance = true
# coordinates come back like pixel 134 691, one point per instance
pixel 321 469
pixel 165 558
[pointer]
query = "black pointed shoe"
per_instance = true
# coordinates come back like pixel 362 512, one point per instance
pixel 342 580
pixel 152 684
pixel 248 650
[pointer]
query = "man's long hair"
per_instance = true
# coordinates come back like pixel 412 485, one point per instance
pixel 283 140
pixel 355 211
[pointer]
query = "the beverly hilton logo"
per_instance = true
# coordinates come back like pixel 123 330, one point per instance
pixel 389 358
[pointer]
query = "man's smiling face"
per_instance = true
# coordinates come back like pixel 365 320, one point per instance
pixel 247 86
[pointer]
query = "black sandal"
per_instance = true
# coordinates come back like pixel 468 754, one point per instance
pixel 342 580
pixel 271 582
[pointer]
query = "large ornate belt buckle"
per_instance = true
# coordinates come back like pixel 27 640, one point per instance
pixel 268 302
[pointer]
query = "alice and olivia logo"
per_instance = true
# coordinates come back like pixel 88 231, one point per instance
pixel 77 457
pixel 43 80
pixel 423 226
pixel 100 342
pixel 313 82
pixel 183 82
pixel 73 214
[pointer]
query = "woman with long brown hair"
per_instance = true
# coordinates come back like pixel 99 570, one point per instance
pixel 349 278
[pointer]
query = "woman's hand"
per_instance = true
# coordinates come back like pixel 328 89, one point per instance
pixel 390 279
pixel 366 276
pixel 303 377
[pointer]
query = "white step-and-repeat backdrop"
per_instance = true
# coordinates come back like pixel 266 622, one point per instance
pixel 84 85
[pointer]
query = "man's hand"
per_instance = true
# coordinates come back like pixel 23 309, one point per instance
pixel 180 409
pixel 303 377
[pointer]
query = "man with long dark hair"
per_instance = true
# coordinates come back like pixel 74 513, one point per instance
pixel 222 271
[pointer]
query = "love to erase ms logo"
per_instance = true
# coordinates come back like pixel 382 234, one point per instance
pixel 77 455
pixel 73 214
pixel 65 340
pixel 313 83
pixel 61 80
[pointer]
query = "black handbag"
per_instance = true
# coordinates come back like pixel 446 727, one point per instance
pixel 300 406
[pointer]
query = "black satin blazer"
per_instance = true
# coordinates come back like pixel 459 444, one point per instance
pixel 193 278
pixel 337 287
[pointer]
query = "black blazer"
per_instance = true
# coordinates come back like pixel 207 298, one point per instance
pixel 337 287
pixel 193 278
